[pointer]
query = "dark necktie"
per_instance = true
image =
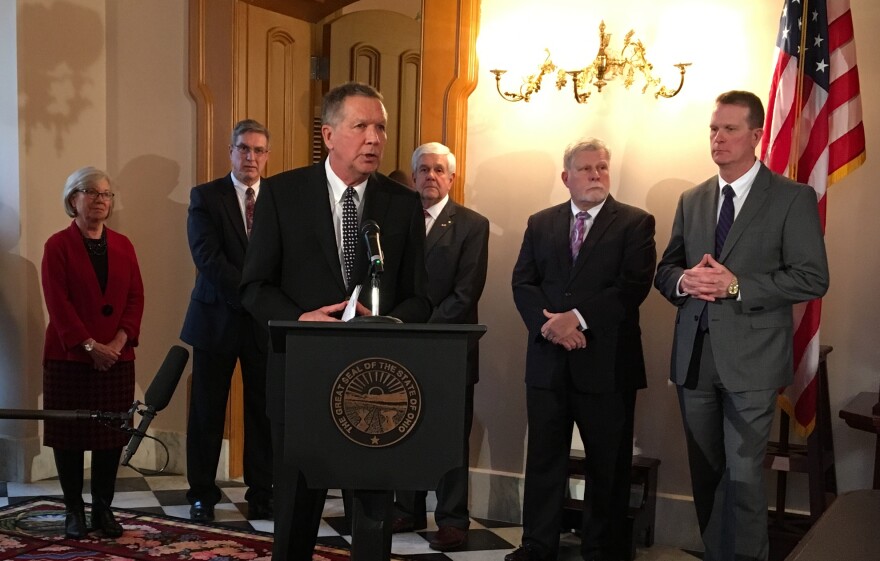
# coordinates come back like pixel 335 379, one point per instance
pixel 725 219
pixel 577 233
pixel 249 201
pixel 349 232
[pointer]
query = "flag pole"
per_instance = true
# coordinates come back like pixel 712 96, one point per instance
pixel 799 94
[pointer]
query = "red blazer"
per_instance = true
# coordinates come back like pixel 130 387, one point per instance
pixel 77 309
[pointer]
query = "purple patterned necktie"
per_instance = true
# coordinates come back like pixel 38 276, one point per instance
pixel 577 233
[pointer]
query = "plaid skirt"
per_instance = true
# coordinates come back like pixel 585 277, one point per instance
pixel 69 385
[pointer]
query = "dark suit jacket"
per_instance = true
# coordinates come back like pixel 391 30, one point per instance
pixel 217 241
pixel 74 300
pixel 296 268
pixel 609 280
pixel 776 250
pixel 456 257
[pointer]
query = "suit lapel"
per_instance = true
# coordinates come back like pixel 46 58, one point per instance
pixel 750 209
pixel 705 218
pixel 229 201
pixel 323 220
pixel 560 235
pixel 442 226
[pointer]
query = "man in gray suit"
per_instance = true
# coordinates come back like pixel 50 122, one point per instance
pixel 746 245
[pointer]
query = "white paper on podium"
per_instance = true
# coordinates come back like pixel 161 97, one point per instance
pixel 351 307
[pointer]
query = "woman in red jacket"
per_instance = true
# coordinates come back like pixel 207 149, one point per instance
pixel 95 298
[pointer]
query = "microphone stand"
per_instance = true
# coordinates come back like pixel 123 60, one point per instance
pixel 70 415
pixel 124 417
pixel 374 297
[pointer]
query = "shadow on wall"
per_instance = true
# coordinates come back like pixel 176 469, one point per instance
pixel 22 327
pixel 507 197
pixel 658 425
pixel 156 225
pixel 54 84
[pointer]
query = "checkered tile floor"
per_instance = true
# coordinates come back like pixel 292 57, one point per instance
pixel 166 494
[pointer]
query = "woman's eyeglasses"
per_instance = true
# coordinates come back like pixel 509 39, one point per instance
pixel 94 194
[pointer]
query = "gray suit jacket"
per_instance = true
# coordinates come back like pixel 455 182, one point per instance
pixel 777 252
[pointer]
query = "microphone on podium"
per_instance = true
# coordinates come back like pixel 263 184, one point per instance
pixel 370 231
pixel 158 395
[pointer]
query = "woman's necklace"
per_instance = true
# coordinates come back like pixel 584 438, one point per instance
pixel 97 246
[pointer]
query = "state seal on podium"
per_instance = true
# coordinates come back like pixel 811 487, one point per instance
pixel 376 402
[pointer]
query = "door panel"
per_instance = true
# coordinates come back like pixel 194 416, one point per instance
pixel 381 48
pixel 273 82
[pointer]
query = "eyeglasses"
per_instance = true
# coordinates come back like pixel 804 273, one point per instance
pixel 244 150
pixel 94 194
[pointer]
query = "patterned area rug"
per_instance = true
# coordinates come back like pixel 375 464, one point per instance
pixel 35 530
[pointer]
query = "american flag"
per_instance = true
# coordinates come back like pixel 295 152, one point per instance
pixel 813 134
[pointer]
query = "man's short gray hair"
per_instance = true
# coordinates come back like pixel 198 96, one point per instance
pixel 591 144
pixel 434 148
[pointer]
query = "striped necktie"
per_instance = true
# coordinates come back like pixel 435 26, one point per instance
pixel 577 233
pixel 725 219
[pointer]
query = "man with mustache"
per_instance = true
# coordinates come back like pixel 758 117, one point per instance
pixel 584 269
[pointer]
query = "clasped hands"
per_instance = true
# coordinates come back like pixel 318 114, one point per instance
pixel 563 329
pixel 324 313
pixel 105 356
pixel 707 280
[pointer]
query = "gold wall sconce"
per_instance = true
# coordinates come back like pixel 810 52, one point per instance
pixel 607 66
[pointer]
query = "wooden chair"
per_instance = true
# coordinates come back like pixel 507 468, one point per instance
pixel 815 458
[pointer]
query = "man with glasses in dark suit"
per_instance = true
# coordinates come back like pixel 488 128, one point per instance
pixel 222 332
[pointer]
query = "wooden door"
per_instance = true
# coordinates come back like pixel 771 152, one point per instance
pixel 248 63
pixel 381 48
pixel 273 83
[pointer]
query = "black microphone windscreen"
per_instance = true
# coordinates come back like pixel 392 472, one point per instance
pixel 369 227
pixel 162 388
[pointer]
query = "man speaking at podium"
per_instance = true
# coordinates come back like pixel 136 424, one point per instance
pixel 310 258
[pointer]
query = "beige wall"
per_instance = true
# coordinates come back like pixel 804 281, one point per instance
pixel 660 148
pixel 103 83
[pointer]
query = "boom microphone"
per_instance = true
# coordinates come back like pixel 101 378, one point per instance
pixel 158 395
pixel 370 231
pixel 162 388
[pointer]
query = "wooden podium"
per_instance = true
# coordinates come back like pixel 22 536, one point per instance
pixel 373 407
